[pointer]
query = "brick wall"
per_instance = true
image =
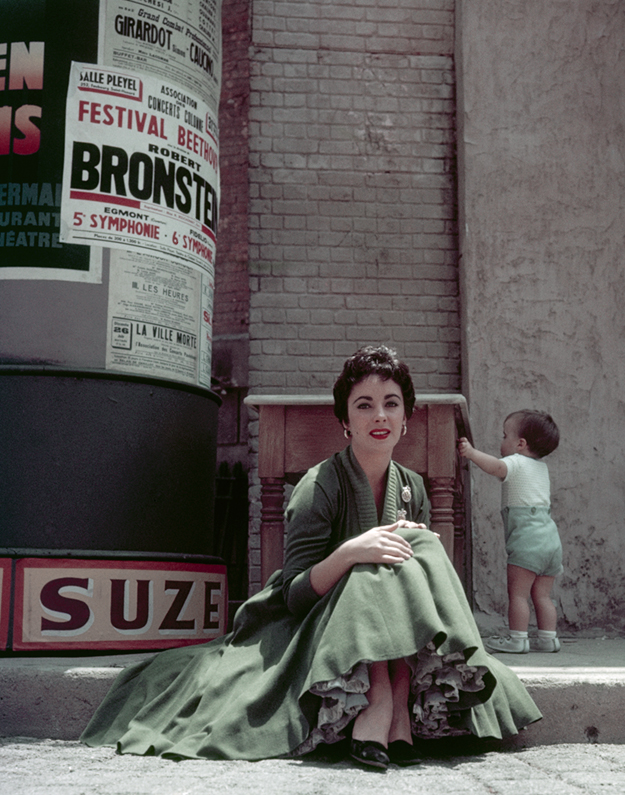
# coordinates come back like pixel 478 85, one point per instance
pixel 232 303
pixel 231 306
pixel 352 210
pixel 352 194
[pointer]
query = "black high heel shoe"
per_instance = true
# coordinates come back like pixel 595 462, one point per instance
pixel 368 752
pixel 402 753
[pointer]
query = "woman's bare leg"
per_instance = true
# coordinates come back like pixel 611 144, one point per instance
pixel 399 672
pixel 374 722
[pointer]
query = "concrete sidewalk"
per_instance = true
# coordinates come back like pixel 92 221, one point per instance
pixel 65 767
pixel 580 691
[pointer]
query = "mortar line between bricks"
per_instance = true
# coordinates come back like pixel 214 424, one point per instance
pixel 366 52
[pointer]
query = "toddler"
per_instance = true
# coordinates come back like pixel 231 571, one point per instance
pixel 532 541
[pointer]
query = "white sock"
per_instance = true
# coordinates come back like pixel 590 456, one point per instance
pixel 547 634
pixel 517 633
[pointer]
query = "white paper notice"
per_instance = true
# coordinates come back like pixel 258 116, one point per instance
pixel 176 40
pixel 141 167
pixel 158 318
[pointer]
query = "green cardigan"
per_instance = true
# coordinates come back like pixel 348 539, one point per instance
pixel 332 503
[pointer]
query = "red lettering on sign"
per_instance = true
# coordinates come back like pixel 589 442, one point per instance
pixel 53 601
pixel 119 604
pixel 172 619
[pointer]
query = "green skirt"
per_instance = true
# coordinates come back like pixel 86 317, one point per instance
pixel 277 684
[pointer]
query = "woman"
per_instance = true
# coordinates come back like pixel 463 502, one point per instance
pixel 367 623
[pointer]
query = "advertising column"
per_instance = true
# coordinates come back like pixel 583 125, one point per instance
pixel 109 202
pixel 141 177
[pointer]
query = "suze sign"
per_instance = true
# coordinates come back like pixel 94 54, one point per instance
pixel 5 601
pixel 112 604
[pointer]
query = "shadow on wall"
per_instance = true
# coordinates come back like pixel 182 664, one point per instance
pixel 231 528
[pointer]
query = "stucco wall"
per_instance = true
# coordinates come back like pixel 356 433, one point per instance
pixel 542 163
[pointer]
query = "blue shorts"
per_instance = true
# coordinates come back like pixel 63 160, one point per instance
pixel 532 540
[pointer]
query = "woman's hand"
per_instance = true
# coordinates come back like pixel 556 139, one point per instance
pixel 378 545
pixel 381 544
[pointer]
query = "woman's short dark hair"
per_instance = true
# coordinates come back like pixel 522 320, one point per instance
pixel 372 360
pixel 538 429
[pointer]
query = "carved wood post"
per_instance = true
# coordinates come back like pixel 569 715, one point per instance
pixel 442 499
pixel 271 526
pixel 271 474
pixel 459 525
pixel 442 471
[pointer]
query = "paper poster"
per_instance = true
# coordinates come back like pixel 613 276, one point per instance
pixel 141 170
pixel 37 44
pixel 159 318
pixel 176 40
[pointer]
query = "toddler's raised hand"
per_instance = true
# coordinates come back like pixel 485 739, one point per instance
pixel 465 448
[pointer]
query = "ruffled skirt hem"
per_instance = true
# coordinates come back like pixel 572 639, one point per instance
pixel 437 680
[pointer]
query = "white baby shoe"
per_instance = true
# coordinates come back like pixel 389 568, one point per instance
pixel 545 645
pixel 509 645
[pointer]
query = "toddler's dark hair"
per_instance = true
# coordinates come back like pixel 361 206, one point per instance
pixel 538 429
pixel 372 360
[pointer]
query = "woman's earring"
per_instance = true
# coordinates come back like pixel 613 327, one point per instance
pixel 346 432
pixel 404 429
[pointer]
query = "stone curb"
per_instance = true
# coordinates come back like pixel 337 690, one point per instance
pixel 54 697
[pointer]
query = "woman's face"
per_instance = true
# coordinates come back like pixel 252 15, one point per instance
pixel 375 412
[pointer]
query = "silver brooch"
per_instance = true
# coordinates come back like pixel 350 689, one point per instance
pixel 406 494
pixel 401 515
